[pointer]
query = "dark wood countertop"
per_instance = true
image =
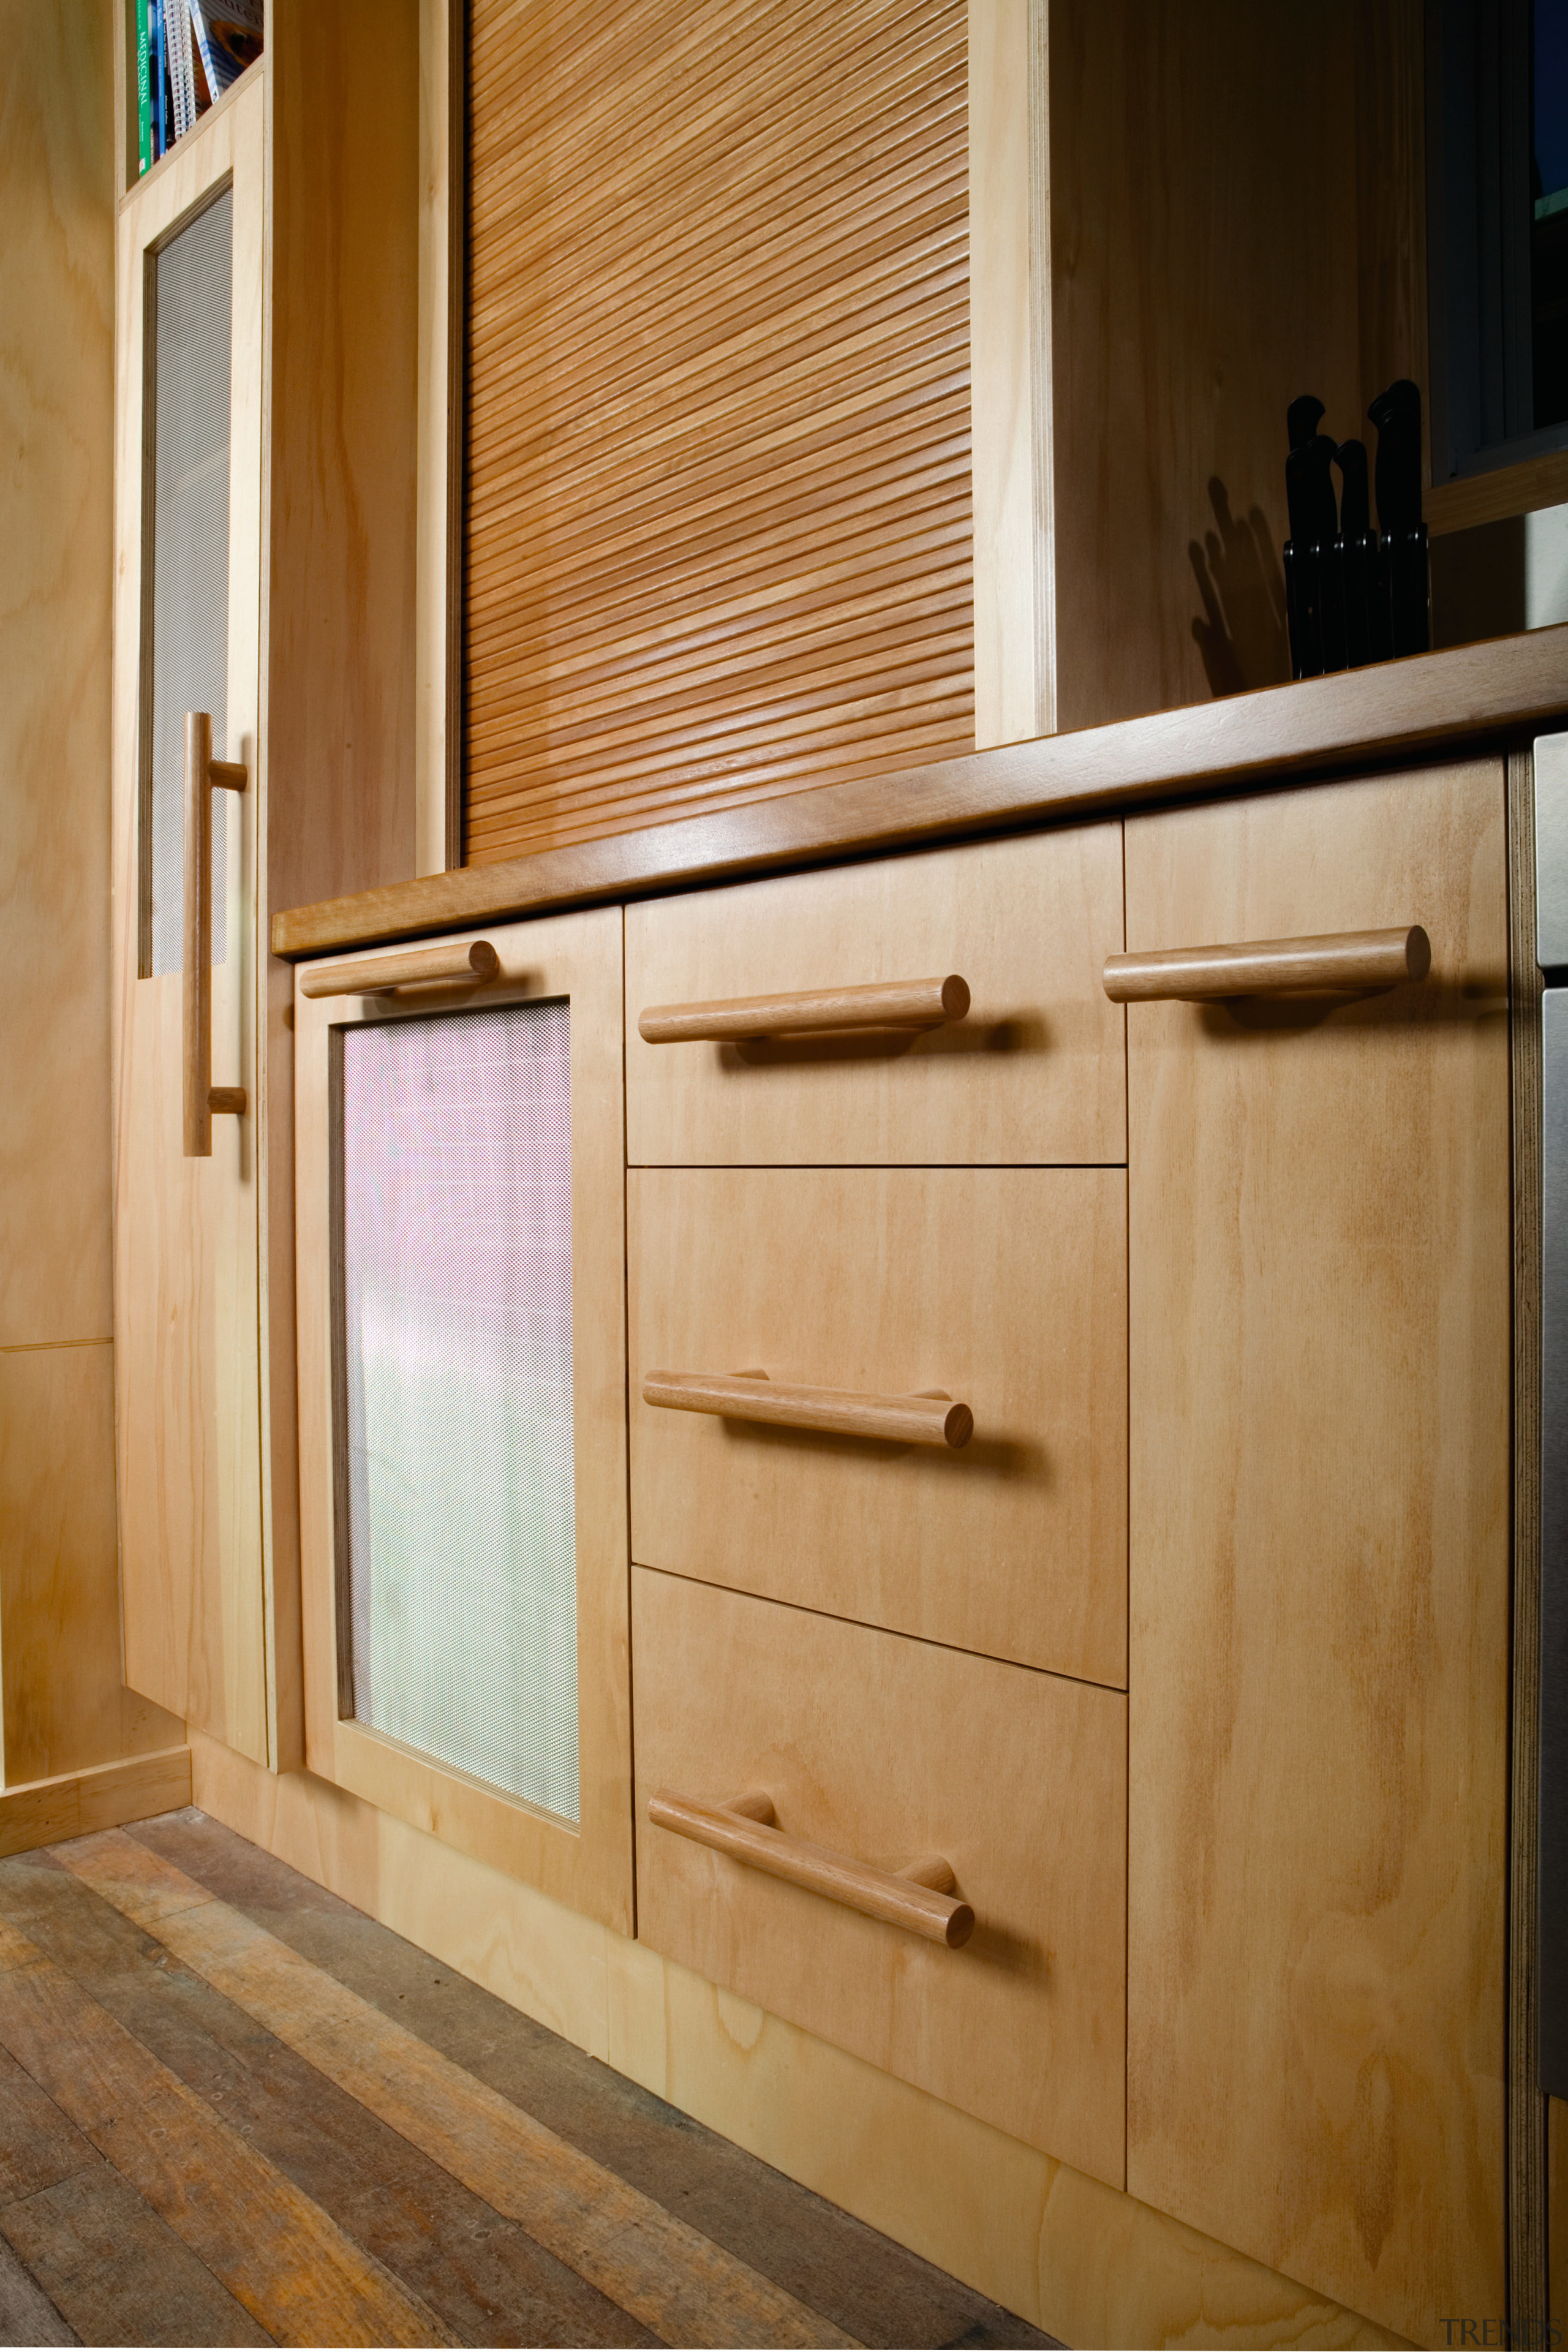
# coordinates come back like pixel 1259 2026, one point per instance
pixel 1369 718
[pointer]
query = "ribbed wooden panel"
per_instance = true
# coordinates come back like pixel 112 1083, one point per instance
pixel 717 504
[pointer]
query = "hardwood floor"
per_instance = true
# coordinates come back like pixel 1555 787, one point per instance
pixel 234 2110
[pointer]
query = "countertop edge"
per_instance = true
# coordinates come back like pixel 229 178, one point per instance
pixel 1465 694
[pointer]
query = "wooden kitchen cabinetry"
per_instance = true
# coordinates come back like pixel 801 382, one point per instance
pixel 264 579
pixel 1137 1853
pixel 188 475
pixel 1319 1285
pixel 461 1223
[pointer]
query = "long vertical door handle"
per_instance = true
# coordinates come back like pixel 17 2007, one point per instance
pixel 202 775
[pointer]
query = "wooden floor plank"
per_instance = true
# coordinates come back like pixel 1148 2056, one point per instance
pixel 116 2271
pixel 293 2270
pixel 39 2145
pixel 480 2273
pixel 27 2314
pixel 861 2281
pixel 674 2280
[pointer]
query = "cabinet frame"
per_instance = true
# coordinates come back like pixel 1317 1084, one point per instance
pixel 197 1602
pixel 590 1867
pixel 1319 1554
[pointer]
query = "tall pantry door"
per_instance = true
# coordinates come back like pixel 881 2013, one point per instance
pixel 188 520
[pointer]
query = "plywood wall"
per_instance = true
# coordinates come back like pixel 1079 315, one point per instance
pixel 339 660
pixel 59 1609
pixel 1235 216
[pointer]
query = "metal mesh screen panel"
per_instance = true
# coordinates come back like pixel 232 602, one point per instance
pixel 191 304
pixel 457 1357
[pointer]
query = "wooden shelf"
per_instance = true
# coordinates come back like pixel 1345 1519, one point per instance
pixel 131 182
pixel 1498 495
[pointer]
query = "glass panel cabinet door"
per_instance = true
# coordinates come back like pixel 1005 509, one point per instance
pixel 188 538
pixel 461 1234
pixel 453 1411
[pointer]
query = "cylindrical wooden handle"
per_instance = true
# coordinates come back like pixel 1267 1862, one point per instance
pixel 1358 961
pixel 200 1097
pixel 913 1902
pixel 879 1005
pixel 908 1420
pixel 473 961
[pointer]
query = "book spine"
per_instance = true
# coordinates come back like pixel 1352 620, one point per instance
pixel 158 62
pixel 178 126
pixel 143 92
pixel 180 75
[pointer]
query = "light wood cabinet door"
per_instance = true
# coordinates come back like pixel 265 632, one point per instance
pixel 187 1300
pixel 890 1752
pixel 1319 1293
pixel 1004 1287
pixel 1034 1072
pixel 461 1230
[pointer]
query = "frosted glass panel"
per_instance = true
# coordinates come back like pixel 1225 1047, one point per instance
pixel 191 299
pixel 457 1360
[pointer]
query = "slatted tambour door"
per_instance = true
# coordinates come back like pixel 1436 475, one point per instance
pixel 717 503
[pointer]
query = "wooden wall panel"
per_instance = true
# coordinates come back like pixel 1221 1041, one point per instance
pixel 717 522
pixel 1010 369
pixel 1204 271
pixel 346 676
pixel 57 370
pixel 59 1588
pixel 340 648
pixel 58 1568
pixel 1391 196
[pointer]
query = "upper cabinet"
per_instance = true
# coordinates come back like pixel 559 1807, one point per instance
pixel 898 379
pixel 264 751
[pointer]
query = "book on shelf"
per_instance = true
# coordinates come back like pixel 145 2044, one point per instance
pixel 230 34
pixel 143 92
pixel 182 86
pixel 189 53
pixel 162 125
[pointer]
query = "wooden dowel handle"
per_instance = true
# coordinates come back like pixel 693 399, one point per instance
pixel 879 1005
pixel 906 1420
pixel 755 1804
pixel 200 1098
pixel 1357 962
pixel 473 961
pixel 903 1900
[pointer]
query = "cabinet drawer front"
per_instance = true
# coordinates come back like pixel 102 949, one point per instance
pixel 1004 1287
pixel 891 1752
pixel 1034 1072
